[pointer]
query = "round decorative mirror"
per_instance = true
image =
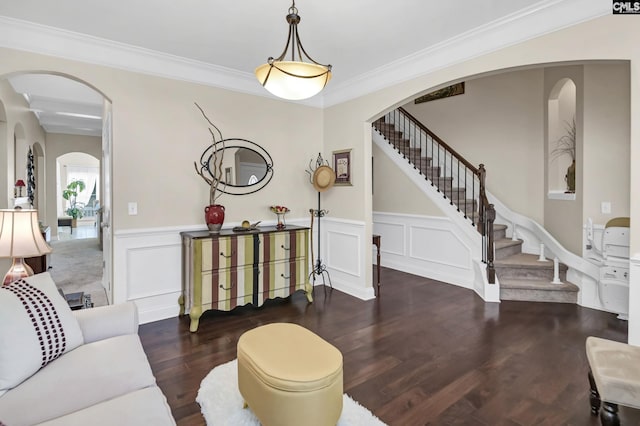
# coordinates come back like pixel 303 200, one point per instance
pixel 244 166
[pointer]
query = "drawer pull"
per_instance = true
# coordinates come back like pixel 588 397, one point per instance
pixel 286 278
pixel 225 288
pixel 225 256
pixel 285 248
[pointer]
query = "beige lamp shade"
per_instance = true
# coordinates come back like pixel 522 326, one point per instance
pixel 20 234
pixel 293 80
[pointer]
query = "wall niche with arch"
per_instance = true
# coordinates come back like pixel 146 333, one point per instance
pixel 561 177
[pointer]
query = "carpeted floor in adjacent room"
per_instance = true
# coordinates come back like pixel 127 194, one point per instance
pixel 76 265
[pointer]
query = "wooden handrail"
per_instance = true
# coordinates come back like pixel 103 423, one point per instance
pixel 459 157
pixel 486 210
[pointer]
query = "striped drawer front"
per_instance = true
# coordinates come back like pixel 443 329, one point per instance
pixel 227 288
pixel 225 252
pixel 285 245
pixel 280 279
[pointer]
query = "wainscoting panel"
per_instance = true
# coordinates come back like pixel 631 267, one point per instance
pixel 147 264
pixel 147 267
pixel 425 245
pixel 342 251
pixel 344 255
pixel 438 245
pixel 148 282
pixel 394 242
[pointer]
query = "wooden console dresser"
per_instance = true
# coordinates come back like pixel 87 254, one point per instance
pixel 229 269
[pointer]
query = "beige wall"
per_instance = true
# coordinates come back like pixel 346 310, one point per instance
pixel 18 116
pixel 158 133
pixel 496 122
pixel 606 147
pixel 394 192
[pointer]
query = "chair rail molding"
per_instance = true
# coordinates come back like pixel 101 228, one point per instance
pixel 155 289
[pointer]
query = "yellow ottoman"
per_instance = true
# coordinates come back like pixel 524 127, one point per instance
pixel 288 375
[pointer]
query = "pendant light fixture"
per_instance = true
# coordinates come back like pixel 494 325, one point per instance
pixel 293 79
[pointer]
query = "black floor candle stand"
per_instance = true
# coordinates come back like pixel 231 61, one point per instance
pixel 319 268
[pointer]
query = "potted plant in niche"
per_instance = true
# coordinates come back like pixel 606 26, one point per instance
pixel 567 145
pixel 71 194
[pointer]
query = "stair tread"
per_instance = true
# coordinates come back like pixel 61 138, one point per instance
pixel 537 284
pixel 524 260
pixel 499 227
pixel 506 242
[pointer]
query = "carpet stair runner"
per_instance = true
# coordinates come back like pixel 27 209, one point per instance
pixel 523 277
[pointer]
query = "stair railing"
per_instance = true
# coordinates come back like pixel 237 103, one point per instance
pixel 446 170
pixel 487 213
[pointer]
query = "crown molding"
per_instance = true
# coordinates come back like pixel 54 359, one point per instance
pixel 539 19
pixel 28 36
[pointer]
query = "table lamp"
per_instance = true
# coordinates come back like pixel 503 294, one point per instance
pixel 20 237
pixel 20 184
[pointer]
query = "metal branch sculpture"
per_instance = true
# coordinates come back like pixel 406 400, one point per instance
pixel 210 169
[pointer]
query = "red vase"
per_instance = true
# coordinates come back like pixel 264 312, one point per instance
pixel 214 216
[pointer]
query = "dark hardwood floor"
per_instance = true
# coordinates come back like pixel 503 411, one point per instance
pixel 423 353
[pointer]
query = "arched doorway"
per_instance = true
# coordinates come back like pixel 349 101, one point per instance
pixel 78 167
pixel 68 111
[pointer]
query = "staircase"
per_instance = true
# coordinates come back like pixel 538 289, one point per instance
pixel 459 182
pixel 523 277
pixel 433 173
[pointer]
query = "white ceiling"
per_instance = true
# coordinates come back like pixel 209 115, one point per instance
pixel 360 38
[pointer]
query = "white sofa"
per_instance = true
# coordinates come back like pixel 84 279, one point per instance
pixel 106 380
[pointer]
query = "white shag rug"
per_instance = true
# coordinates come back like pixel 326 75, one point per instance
pixel 221 402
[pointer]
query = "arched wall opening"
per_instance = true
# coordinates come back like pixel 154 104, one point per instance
pixel 510 120
pixel 561 129
pixel 78 166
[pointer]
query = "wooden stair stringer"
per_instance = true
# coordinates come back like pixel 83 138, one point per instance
pixel 457 197
pixel 426 187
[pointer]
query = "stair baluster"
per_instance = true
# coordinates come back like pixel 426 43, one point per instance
pixel 400 128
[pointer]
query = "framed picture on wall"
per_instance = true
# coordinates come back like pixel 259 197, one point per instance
pixel 342 166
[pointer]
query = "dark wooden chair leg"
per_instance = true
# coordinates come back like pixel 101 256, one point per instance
pixel 594 397
pixel 609 414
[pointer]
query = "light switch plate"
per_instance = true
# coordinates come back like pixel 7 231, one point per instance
pixel 133 208
pixel 605 207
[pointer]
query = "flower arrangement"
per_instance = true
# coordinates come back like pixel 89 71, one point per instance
pixel 279 209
